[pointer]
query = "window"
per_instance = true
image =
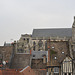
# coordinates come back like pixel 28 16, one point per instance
pixel 46 46
pixel 69 73
pixel 27 40
pixel 62 52
pixel 52 47
pixel 55 58
pixel 20 50
pixel 33 55
pixel 65 74
pixel 40 43
pixel 24 39
pixel 56 70
pixel 34 44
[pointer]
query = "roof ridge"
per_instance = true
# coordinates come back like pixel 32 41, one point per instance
pixel 51 28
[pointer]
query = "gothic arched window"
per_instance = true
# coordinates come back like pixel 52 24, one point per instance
pixel 46 46
pixel 40 43
pixel 34 44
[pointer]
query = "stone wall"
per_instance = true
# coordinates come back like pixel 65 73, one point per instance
pixel 23 44
pixel 6 52
pixel 20 61
pixel 44 41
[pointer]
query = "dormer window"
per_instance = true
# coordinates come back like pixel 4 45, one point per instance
pixel 52 47
pixel 33 55
pixel 55 58
pixel 62 52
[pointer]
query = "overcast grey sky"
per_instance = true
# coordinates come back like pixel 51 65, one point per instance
pixel 22 16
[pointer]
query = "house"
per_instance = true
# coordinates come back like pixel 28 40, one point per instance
pixel 59 60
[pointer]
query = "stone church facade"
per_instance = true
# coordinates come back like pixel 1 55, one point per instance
pixel 37 41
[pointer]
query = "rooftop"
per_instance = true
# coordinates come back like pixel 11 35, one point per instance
pixel 61 32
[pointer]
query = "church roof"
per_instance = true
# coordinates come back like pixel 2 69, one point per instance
pixel 54 32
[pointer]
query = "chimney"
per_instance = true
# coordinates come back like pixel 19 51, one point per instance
pixel 44 59
pixel 48 63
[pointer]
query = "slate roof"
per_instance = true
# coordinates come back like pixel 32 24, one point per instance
pixel 38 54
pixel 59 48
pixel 61 32
pixel 20 61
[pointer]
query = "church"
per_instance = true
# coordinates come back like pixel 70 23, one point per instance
pixel 59 40
pixel 52 49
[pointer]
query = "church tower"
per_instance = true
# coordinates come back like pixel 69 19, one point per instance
pixel 73 30
pixel 73 45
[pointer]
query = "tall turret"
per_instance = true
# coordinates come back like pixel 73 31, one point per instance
pixel 73 30
pixel 74 23
pixel 73 45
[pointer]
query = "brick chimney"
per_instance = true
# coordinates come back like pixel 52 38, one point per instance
pixel 48 57
pixel 44 59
